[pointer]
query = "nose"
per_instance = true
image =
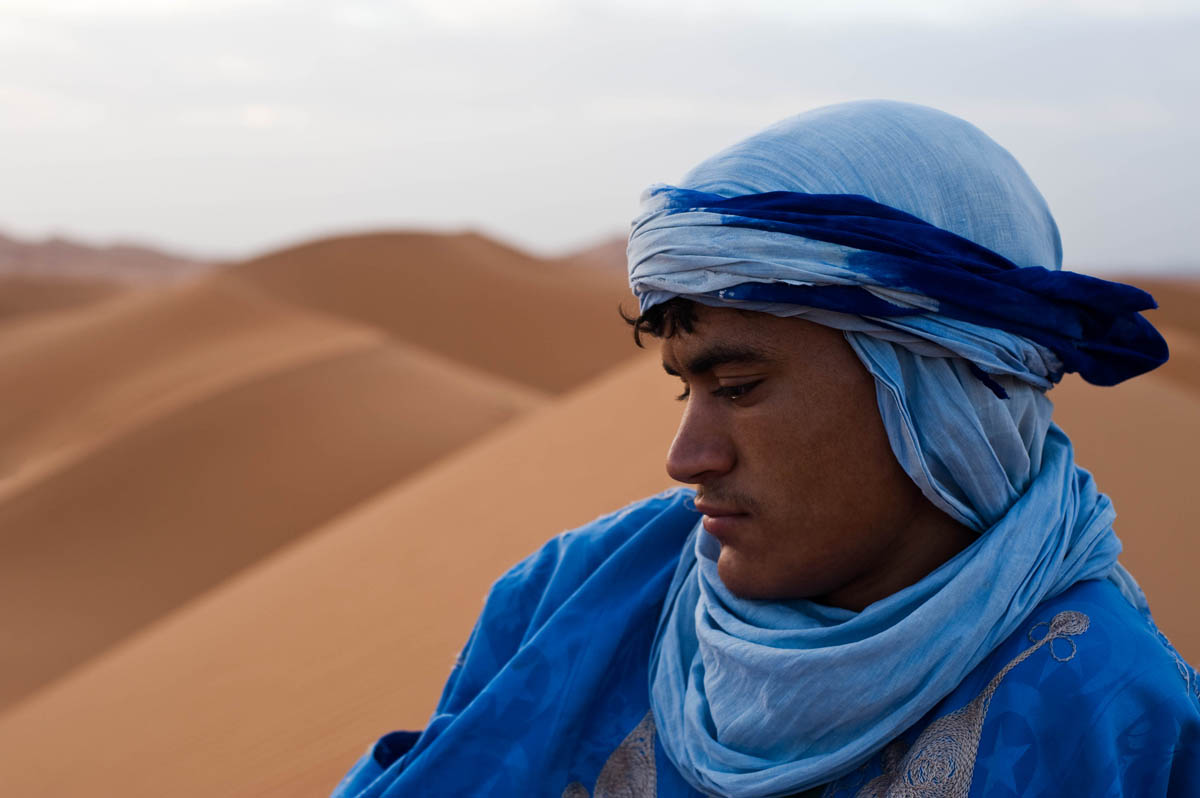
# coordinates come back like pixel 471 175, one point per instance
pixel 703 448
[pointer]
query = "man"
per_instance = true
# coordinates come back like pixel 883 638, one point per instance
pixel 892 578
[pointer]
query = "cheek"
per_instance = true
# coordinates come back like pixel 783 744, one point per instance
pixel 825 474
pixel 819 462
pixel 844 449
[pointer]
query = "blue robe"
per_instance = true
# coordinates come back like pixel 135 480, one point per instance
pixel 550 696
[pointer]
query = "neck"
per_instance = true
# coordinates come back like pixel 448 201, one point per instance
pixel 929 539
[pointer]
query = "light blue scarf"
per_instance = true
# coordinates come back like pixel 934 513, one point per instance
pixel 759 699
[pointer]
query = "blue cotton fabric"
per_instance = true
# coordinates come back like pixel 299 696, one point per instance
pixel 906 267
pixel 895 219
pixel 1111 711
pixel 554 674
pixel 738 686
pixel 553 678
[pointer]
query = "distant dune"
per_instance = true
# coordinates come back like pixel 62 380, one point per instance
pixel 466 297
pixel 26 295
pixel 1140 440
pixel 1178 301
pixel 177 435
pixel 72 381
pixel 154 516
pixel 1178 311
pixel 246 521
pixel 608 253
pixel 343 636
pixel 57 274
pixel 61 257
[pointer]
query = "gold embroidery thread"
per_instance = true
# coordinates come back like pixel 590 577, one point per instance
pixel 941 762
pixel 630 771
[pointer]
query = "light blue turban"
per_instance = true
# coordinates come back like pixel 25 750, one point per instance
pixel 928 245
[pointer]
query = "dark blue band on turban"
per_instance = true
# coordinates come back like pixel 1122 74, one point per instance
pixel 1093 325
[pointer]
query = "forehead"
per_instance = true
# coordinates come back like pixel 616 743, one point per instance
pixel 725 328
pixel 746 333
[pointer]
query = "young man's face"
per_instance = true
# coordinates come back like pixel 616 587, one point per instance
pixel 782 437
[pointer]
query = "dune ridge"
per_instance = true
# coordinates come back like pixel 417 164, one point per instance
pixel 547 326
pixel 119 413
pixel 250 469
pixel 1178 318
pixel 61 257
pixel 1139 441
pixel 111 368
pixel 25 296
pixel 366 582
pixel 1178 300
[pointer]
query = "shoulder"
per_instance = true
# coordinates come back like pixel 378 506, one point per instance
pixel 1086 695
pixel 661 521
pixel 572 620
pixel 1085 698
pixel 1098 651
pixel 610 560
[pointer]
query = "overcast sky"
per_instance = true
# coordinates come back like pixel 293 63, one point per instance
pixel 225 128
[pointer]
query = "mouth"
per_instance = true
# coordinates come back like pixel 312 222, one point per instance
pixel 719 521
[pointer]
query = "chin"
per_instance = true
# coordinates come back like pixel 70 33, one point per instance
pixel 743 582
pixel 747 579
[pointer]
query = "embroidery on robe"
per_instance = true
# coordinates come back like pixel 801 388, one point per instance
pixel 1191 679
pixel 630 771
pixel 941 762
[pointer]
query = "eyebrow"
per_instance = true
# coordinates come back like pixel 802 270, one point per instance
pixel 719 355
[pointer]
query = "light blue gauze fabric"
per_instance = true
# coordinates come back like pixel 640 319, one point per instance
pixel 759 699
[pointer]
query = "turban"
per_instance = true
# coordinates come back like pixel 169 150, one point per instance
pixel 929 246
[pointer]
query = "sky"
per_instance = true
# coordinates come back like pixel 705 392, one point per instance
pixel 224 128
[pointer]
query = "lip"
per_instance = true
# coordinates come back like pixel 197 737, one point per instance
pixel 716 511
pixel 721 522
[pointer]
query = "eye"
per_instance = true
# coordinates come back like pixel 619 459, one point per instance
pixel 734 392
pixel 686 393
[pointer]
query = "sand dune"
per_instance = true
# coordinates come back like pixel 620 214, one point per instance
pixel 463 296
pixel 154 516
pixel 121 417
pixel 153 446
pixel 60 257
pixel 72 381
pixel 1139 439
pixel 1178 316
pixel 270 685
pixel 607 253
pixel 1183 368
pixel 113 411
pixel 274 683
pixel 1178 301
pixel 24 296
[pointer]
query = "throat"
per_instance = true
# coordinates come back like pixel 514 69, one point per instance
pixel 931 539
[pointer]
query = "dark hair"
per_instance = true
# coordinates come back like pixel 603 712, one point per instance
pixel 663 321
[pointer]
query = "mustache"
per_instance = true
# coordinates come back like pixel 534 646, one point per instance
pixel 726 497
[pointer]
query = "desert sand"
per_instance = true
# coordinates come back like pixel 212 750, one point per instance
pixel 1178 317
pixel 157 442
pixel 544 324
pixel 55 274
pixel 22 295
pixel 122 263
pixel 250 520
